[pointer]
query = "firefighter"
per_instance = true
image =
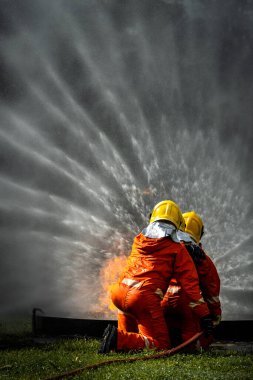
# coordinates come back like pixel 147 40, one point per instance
pixel 156 257
pixel 176 303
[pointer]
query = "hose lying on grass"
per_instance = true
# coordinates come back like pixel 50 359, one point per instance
pixel 159 355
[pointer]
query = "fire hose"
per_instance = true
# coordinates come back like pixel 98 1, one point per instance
pixel 159 355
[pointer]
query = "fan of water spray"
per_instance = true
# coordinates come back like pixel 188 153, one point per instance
pixel 107 108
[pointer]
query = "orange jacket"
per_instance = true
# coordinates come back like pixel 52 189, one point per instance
pixel 209 283
pixel 156 261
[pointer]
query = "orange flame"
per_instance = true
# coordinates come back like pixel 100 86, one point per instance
pixel 109 274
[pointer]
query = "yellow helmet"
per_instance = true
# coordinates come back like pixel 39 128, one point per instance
pixel 167 210
pixel 182 225
pixel 193 225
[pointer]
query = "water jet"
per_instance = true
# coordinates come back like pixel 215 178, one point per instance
pixel 107 107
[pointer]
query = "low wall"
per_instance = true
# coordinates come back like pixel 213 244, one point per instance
pixel 53 326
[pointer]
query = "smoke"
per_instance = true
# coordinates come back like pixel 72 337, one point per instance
pixel 108 107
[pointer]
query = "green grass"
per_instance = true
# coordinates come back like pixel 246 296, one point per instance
pixel 64 355
pixel 35 361
pixel 15 326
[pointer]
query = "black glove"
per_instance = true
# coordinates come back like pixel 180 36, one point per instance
pixel 206 324
pixel 216 320
pixel 197 253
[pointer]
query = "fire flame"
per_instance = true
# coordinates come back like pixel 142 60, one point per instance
pixel 109 274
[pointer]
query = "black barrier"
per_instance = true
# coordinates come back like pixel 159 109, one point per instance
pixel 235 330
pixel 54 326
pixel 93 328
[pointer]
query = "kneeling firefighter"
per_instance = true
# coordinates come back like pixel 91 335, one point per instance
pixel 156 257
pixel 176 302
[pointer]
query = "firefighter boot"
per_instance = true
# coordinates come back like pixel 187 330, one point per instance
pixel 109 341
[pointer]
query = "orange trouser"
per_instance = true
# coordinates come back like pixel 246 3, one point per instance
pixel 182 317
pixel 126 322
pixel 143 305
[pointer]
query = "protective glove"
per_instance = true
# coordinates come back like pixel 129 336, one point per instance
pixel 206 324
pixel 170 302
pixel 216 319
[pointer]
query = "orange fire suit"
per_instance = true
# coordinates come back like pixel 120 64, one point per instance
pixel 176 302
pixel 151 265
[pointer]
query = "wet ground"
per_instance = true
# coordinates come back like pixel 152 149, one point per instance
pixel 245 347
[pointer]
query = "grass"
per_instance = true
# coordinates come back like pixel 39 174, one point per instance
pixel 51 358
pixel 64 355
